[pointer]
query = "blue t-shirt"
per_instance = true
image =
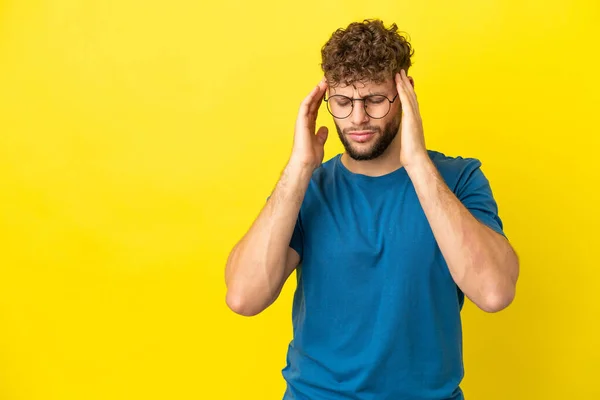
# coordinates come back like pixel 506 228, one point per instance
pixel 376 313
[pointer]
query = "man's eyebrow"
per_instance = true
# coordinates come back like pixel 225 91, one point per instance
pixel 381 92
pixel 378 92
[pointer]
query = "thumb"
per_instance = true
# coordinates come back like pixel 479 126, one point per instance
pixel 322 134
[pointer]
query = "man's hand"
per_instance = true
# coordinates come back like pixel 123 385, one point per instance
pixel 482 262
pixel 412 143
pixel 308 150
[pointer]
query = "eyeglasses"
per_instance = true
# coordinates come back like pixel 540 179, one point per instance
pixel 376 106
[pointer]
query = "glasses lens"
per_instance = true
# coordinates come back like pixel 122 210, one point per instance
pixel 377 106
pixel 339 106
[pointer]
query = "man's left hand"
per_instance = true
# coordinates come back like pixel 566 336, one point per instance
pixel 413 150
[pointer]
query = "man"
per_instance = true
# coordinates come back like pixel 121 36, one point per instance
pixel 386 238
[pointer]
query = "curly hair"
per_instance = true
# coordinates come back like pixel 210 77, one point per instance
pixel 365 51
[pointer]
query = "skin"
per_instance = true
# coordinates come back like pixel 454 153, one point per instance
pixel 359 120
pixel 482 262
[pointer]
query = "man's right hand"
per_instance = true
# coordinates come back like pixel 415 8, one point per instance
pixel 261 262
pixel 308 150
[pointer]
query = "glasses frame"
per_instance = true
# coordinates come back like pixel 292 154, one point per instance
pixel 352 100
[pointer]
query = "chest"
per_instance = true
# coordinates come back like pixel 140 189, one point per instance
pixel 370 235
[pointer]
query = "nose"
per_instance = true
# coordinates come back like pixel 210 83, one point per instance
pixel 359 116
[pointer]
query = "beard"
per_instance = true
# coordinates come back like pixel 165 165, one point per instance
pixel 382 140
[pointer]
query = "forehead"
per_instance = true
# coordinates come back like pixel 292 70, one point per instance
pixel 362 88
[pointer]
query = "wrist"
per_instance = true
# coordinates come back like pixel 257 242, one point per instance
pixel 300 170
pixel 418 163
pixel 300 166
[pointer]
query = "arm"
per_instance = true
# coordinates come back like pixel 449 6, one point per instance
pixel 481 261
pixel 260 263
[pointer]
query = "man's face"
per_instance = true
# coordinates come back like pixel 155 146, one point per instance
pixel 363 136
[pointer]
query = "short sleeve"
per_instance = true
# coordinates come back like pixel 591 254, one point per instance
pixel 297 241
pixel 475 192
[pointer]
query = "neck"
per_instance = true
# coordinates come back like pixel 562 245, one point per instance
pixel 388 162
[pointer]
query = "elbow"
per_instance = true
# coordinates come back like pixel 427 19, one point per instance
pixel 242 304
pixel 247 295
pixel 497 300
pixel 236 300
pixel 243 298
pixel 501 291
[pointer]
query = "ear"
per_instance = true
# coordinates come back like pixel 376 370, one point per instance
pixel 412 81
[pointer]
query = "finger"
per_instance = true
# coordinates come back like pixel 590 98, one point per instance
pixel 322 134
pixel 409 88
pixel 318 99
pixel 404 98
pixel 305 105
pixel 407 96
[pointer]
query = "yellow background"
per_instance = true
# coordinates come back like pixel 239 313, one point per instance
pixel 139 139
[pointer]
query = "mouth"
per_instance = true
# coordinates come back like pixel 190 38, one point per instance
pixel 361 136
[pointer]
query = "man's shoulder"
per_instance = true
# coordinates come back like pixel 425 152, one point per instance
pixel 326 170
pixel 455 170
pixel 452 163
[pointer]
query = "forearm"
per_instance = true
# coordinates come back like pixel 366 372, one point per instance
pixel 256 268
pixel 481 262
